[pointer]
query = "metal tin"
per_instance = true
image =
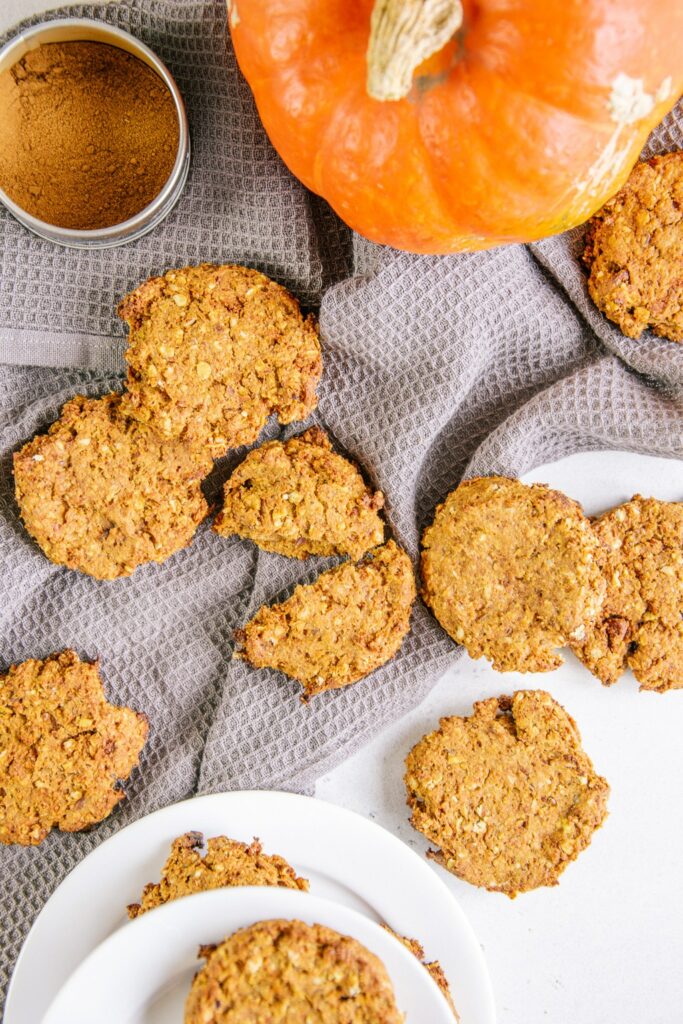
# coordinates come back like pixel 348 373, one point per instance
pixel 80 29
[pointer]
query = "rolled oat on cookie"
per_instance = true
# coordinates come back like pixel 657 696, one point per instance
pixel 213 351
pixel 224 863
pixel 339 629
pixel 640 625
pixel 63 748
pixel 300 498
pixel 634 251
pixel 294 972
pixel 101 493
pixel 507 795
pixel 511 571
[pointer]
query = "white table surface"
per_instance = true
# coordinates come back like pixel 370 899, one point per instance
pixel 605 946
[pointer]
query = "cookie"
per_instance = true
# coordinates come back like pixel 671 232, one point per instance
pixel 641 622
pixel 511 571
pixel 433 967
pixel 339 629
pixel 226 862
pixel 213 351
pixel 294 972
pixel 299 499
pixel 508 795
pixel 63 748
pixel 101 493
pixel 634 251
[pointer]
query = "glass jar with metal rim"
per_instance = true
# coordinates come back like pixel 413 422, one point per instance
pixel 83 29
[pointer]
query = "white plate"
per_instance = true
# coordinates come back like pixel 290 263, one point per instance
pixel 142 973
pixel 346 857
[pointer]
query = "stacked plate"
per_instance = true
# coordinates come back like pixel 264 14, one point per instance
pixel 94 966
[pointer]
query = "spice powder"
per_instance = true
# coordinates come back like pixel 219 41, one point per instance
pixel 89 134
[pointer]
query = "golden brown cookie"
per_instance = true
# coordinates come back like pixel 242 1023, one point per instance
pixel 508 795
pixel 510 570
pixel 101 493
pixel 300 498
pixel 213 351
pixel 339 629
pixel 641 622
pixel 433 967
pixel 292 972
pixel 226 863
pixel 634 251
pixel 63 748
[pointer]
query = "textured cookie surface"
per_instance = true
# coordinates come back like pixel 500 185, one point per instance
pixel 641 622
pixel 300 498
pixel 433 967
pixel 511 572
pixel 291 973
pixel 213 351
pixel 226 862
pixel 339 629
pixel 101 493
pixel 634 250
pixel 63 748
pixel 507 795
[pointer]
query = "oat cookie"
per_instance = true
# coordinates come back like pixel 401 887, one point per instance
pixel 339 629
pixel 226 862
pixel 101 493
pixel 434 967
pixel 299 498
pixel 291 972
pixel 63 748
pixel 634 251
pixel 508 795
pixel 641 622
pixel 510 570
pixel 213 351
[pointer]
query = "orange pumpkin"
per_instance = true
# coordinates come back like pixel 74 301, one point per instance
pixel 437 126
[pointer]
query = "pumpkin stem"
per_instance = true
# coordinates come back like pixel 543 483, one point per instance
pixel 403 33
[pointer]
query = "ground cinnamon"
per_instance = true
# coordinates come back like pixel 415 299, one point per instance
pixel 89 134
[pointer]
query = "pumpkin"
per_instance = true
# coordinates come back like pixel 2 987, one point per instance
pixel 436 126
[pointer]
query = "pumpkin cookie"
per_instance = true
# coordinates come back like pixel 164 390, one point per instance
pixel 101 493
pixel 300 498
pixel 641 622
pixel 634 251
pixel 339 629
pixel 433 967
pixel 508 794
pixel 63 748
pixel 226 862
pixel 511 572
pixel 213 351
pixel 294 972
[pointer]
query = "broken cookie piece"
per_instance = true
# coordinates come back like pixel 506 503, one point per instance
pixel 213 351
pixel 339 629
pixel 63 748
pixel 101 493
pixel 511 571
pixel 641 622
pixel 299 498
pixel 225 863
pixel 433 967
pixel 507 795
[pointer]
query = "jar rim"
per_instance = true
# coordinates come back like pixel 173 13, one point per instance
pixel 72 30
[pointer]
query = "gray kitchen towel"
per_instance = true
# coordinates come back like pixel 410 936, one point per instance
pixel 434 367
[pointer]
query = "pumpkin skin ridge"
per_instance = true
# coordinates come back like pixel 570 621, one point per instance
pixel 418 212
pixel 347 215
